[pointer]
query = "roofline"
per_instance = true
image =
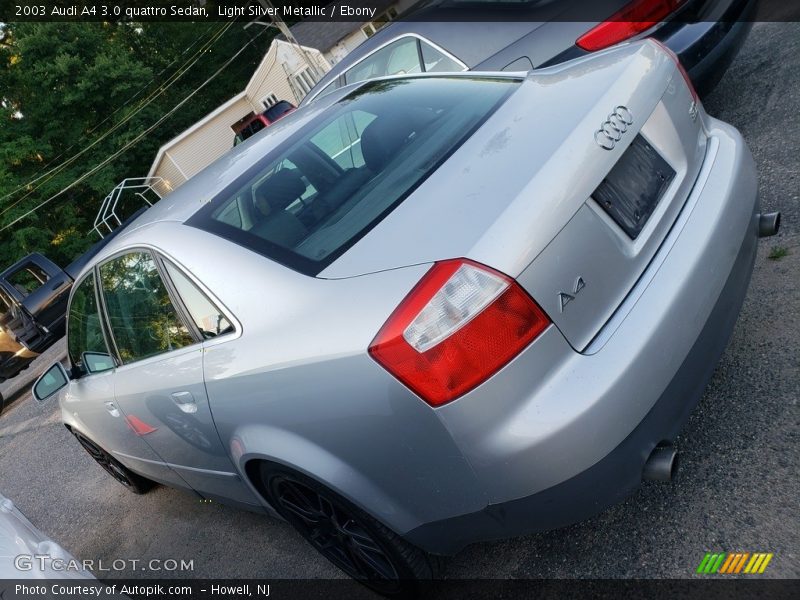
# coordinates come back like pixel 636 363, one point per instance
pixel 356 26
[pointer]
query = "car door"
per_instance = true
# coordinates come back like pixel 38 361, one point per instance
pixel 159 384
pixel 90 396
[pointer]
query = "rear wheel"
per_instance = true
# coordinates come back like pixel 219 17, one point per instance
pixel 347 536
pixel 135 483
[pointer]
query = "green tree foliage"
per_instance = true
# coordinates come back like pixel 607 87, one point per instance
pixel 64 85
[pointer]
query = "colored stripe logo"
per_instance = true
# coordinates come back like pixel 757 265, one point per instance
pixel 734 563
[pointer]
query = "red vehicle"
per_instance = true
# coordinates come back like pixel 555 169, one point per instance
pixel 256 123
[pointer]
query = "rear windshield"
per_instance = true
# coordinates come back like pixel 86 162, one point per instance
pixel 307 202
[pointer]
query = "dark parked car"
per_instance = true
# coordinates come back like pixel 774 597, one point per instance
pixel 456 35
pixel 258 122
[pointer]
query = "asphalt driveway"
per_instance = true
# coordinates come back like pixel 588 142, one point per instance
pixel 737 489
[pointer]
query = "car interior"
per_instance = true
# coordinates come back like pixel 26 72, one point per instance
pixel 311 184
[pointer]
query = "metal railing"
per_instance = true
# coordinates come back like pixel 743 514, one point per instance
pixel 108 217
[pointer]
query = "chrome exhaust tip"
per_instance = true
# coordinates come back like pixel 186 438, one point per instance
pixel 768 224
pixel 661 465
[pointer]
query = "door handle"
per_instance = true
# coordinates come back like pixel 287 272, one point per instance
pixel 112 408
pixel 185 401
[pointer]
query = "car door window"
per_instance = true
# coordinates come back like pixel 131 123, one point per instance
pixel 397 58
pixel 210 320
pixel 143 320
pixel 85 332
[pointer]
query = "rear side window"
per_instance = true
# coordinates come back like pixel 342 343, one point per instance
pixel 436 61
pixel 405 56
pixel 143 320
pixel 210 320
pixel 318 193
pixel 398 58
pixel 85 332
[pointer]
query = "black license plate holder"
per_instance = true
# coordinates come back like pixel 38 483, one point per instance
pixel 634 186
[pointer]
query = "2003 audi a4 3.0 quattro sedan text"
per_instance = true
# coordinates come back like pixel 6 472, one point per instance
pixel 425 310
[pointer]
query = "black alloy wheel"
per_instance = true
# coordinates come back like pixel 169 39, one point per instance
pixel 352 540
pixel 135 483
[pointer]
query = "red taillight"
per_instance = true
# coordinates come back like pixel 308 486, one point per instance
pixel 459 325
pixel 632 19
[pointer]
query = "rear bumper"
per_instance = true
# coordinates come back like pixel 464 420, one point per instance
pixel 683 317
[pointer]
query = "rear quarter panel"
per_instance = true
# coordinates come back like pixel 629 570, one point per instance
pixel 297 386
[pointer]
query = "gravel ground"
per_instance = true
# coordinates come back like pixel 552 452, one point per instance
pixel 737 489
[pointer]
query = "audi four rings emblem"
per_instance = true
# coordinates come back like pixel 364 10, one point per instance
pixel 614 127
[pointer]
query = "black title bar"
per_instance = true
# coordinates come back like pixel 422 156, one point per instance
pixel 371 10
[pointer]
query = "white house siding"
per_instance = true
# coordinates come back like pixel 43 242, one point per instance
pixel 170 174
pixel 280 64
pixel 345 46
pixel 193 150
pixel 188 154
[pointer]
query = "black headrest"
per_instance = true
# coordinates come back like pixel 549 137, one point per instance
pixel 385 136
pixel 283 188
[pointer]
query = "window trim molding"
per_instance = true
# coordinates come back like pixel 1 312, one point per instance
pixel 158 255
pixel 107 321
pixel 381 47
pixel 232 319
pixel 163 259
pixel 112 348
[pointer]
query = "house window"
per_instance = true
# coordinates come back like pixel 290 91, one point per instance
pixel 304 80
pixel 269 100
pixel 381 20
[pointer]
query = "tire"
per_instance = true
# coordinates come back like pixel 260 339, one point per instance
pixel 348 537
pixel 135 483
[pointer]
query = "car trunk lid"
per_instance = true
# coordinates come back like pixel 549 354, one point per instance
pixel 519 195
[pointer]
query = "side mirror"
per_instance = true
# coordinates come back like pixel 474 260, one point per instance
pixel 51 381
pixel 97 362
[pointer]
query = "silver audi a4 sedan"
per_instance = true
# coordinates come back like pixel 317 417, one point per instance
pixel 425 310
